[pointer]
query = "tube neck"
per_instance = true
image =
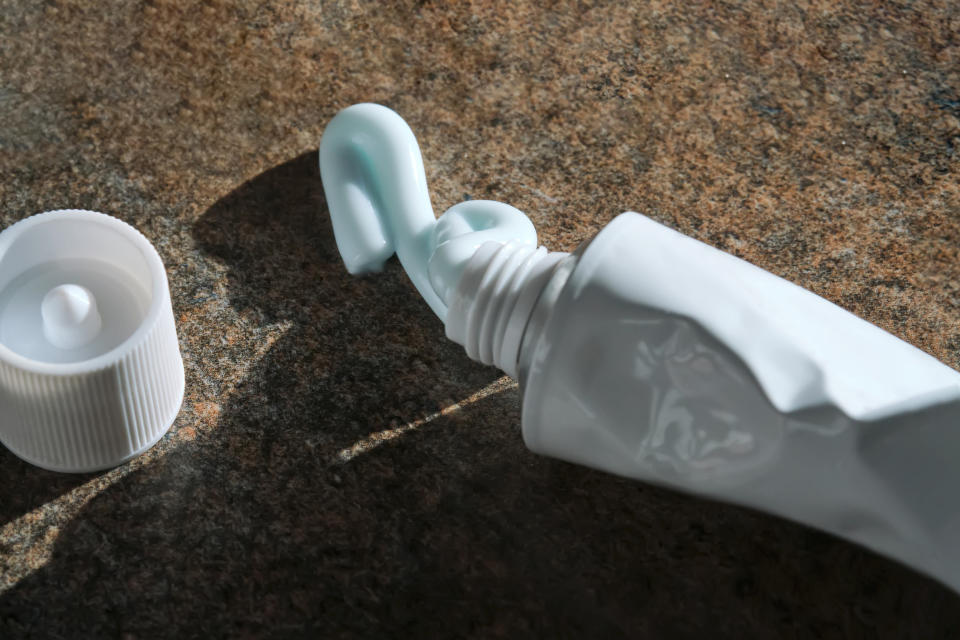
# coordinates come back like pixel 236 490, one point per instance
pixel 497 295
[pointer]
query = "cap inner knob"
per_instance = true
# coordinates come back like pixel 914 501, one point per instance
pixel 70 316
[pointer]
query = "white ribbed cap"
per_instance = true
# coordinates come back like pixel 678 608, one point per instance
pixel 90 368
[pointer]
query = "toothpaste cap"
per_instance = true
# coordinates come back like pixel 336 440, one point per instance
pixel 90 367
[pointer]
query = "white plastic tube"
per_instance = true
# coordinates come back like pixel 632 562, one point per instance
pixel 653 356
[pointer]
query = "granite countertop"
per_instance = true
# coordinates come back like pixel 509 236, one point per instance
pixel 339 469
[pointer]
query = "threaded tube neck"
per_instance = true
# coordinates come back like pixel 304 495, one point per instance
pixel 492 303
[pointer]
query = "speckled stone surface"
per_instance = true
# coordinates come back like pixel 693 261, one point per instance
pixel 339 469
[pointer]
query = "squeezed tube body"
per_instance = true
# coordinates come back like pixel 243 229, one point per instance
pixel 653 356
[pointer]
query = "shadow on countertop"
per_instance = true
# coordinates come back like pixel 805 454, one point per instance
pixel 258 527
pixel 26 487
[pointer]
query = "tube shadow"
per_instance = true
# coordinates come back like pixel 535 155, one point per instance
pixel 451 528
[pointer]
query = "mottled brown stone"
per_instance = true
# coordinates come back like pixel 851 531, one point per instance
pixel 819 140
